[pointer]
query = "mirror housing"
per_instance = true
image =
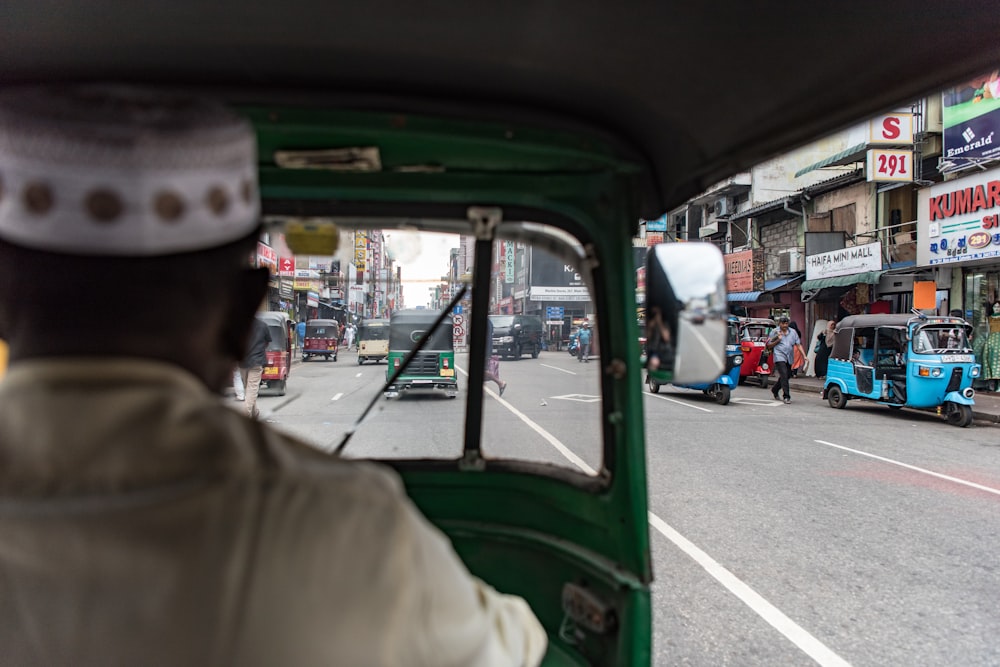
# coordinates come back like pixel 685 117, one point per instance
pixel 686 312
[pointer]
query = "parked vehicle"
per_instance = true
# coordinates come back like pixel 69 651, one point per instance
pixel 721 388
pixel 913 361
pixel 373 340
pixel 756 367
pixel 321 340
pixel 433 366
pixel 514 335
pixel 279 352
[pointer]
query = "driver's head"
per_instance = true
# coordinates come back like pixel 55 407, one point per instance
pixel 128 218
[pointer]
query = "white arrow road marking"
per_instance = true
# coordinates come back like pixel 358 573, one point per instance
pixel 582 398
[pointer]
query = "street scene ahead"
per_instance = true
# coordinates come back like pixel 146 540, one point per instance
pixel 782 534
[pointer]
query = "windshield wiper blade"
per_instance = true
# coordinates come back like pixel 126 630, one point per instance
pixel 402 367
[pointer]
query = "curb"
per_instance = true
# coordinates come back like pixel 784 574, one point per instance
pixel 814 389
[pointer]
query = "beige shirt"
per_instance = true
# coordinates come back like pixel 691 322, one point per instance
pixel 142 522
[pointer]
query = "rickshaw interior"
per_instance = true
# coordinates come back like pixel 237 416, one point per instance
pixel 464 123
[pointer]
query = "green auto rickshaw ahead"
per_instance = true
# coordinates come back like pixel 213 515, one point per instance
pixel 433 367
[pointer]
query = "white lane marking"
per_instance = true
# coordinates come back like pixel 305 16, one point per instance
pixel 949 478
pixel 811 646
pixel 583 398
pixel 358 375
pixel 795 633
pixel 337 397
pixel 561 370
pixel 674 400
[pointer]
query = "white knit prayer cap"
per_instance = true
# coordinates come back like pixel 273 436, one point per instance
pixel 109 170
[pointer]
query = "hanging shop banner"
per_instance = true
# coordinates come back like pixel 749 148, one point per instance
pixel 959 220
pixel 845 262
pixel 360 250
pixel 508 262
pixel 286 266
pixel 267 256
pixel 970 114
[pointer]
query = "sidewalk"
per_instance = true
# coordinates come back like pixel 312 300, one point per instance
pixel 987 407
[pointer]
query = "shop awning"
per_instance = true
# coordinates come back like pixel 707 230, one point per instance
pixel 870 277
pixel 778 283
pixel 744 296
pixel 852 154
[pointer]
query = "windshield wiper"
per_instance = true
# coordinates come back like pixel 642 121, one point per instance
pixel 402 367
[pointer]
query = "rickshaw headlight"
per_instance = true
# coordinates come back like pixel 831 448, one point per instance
pixel 738 360
pixel 937 372
pixel 974 372
pixel 507 339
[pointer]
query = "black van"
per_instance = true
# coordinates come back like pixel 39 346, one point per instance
pixel 514 335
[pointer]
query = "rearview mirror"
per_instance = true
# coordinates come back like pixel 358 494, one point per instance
pixel 685 312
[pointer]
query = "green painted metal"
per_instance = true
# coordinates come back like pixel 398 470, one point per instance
pixel 555 527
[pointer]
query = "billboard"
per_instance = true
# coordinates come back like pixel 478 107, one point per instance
pixel 970 115
pixel 552 279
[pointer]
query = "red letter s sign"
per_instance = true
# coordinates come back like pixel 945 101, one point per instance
pixel 890 128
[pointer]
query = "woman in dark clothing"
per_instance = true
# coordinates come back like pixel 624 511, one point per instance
pixel 824 345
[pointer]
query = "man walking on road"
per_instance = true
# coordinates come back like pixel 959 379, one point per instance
pixel 253 365
pixel 584 338
pixel 783 343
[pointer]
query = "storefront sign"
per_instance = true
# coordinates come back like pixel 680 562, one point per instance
pixel 286 266
pixel 266 256
pixel 744 271
pixel 887 166
pixel 360 250
pixel 894 129
pixel 845 262
pixel 959 220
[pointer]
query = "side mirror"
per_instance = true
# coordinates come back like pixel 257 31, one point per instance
pixel 686 315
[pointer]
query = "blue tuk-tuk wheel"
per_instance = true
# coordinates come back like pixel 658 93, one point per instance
pixel 722 394
pixel 958 415
pixel 835 397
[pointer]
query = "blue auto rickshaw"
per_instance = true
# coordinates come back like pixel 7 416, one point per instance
pixel 913 361
pixel 721 389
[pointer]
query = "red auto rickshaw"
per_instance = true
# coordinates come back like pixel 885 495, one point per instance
pixel 279 352
pixel 754 332
pixel 321 339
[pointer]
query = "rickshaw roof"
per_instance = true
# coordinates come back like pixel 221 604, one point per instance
pixel 375 322
pixel 616 69
pixel 273 317
pixel 895 320
pixel 757 320
pixel 322 322
pixel 416 316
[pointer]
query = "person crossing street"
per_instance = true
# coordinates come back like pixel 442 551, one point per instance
pixel 783 343
pixel 584 336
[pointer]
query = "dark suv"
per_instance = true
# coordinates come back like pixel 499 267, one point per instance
pixel 514 335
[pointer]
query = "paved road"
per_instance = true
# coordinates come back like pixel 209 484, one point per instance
pixel 782 534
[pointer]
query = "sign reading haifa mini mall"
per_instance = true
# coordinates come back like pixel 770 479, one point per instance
pixel 959 220
pixel 844 262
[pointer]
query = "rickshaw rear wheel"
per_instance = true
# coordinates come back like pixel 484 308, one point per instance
pixel 722 394
pixel 836 397
pixel 654 386
pixel 280 386
pixel 763 380
pixel 361 360
pixel 959 415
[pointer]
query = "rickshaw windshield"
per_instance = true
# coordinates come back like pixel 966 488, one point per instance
pixel 938 339
pixel 374 332
pixel 734 333
pixel 404 335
